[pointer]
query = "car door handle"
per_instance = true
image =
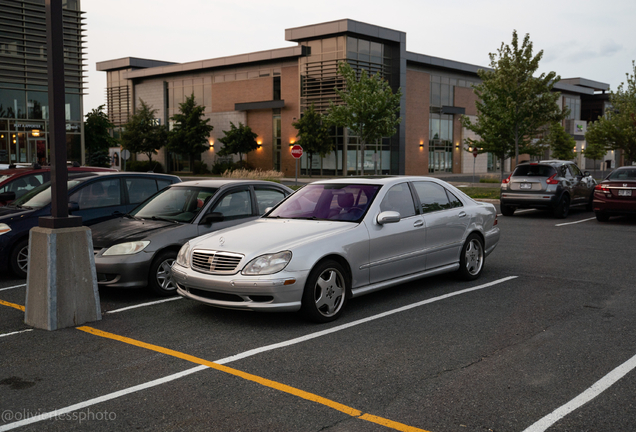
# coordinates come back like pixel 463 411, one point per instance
pixel 418 224
pixel 461 214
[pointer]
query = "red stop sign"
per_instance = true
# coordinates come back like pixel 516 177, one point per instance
pixel 296 151
pixel 475 152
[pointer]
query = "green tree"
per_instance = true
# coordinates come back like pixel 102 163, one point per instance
pixel 313 135
pixel 97 137
pixel 143 133
pixel 190 133
pixel 561 143
pixel 616 129
pixel 512 104
pixel 238 140
pixel 370 109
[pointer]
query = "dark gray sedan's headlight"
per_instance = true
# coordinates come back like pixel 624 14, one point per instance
pixel 182 256
pixel 126 248
pixel 267 264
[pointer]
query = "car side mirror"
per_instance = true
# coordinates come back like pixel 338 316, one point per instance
pixel 212 217
pixel 587 174
pixel 388 217
pixel 73 206
pixel 267 210
pixel 7 196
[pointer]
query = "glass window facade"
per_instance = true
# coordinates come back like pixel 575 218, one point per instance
pixel 24 107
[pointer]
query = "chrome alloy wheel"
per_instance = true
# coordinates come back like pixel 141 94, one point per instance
pixel 329 292
pixel 474 257
pixel 163 275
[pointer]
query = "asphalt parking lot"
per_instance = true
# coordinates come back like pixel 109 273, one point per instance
pixel 544 340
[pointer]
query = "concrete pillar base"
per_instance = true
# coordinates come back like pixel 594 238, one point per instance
pixel 61 280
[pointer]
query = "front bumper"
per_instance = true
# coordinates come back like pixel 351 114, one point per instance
pixel 123 271
pixel 280 292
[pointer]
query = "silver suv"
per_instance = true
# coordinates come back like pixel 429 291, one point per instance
pixel 551 184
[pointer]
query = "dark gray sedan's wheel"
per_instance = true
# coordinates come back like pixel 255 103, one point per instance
pixel 563 208
pixel 471 260
pixel 325 292
pixel 159 279
pixel 20 258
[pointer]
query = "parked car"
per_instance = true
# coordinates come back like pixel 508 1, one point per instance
pixel 616 195
pixel 18 180
pixel 95 196
pixel 554 185
pixel 139 248
pixel 337 239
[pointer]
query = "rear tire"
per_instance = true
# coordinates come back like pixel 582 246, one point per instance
pixel 602 217
pixel 563 208
pixel 325 293
pixel 506 210
pixel 159 278
pixel 19 259
pixel 471 260
pixel 590 203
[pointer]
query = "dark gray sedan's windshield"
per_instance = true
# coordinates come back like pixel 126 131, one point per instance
pixel 343 202
pixel 178 203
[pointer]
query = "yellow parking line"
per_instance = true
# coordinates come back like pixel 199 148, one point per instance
pixel 13 305
pixel 263 381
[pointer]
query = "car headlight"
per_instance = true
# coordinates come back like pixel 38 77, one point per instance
pixel 4 228
pixel 182 256
pixel 268 264
pixel 126 248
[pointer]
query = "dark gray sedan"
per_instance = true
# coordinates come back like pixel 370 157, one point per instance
pixel 138 249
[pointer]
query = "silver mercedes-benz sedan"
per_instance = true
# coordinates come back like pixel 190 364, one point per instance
pixel 338 239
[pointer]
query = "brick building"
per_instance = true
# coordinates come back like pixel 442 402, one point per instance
pixel 269 90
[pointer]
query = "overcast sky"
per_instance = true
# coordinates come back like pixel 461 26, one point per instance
pixel 590 39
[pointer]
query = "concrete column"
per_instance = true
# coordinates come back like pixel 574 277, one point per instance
pixel 61 279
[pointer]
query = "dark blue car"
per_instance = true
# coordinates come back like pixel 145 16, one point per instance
pixel 96 197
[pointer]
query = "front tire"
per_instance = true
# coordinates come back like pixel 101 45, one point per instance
pixel 325 293
pixel 19 259
pixel 159 278
pixel 471 260
pixel 563 208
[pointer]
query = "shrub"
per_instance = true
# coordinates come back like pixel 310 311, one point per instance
pixel 144 166
pixel 200 168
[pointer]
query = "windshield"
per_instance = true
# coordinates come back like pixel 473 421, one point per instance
pixel 623 174
pixel 40 196
pixel 532 170
pixel 342 202
pixel 179 204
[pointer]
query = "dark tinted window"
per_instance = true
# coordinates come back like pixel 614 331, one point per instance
pixel 267 198
pixel 529 170
pixel 235 204
pixel 575 170
pixel 140 188
pixel 434 197
pixel 163 183
pixel 623 174
pixel 399 199
pixel 102 193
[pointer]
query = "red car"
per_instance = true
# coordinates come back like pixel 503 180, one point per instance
pixel 616 195
pixel 15 182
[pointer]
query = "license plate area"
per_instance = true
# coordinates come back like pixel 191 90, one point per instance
pixel 624 192
pixel 525 186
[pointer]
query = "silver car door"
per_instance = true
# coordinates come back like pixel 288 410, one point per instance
pixel 396 249
pixel 446 223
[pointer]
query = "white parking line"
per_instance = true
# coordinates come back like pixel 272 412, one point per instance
pixel 575 222
pixel 13 333
pixel 145 304
pixel 94 401
pixel 597 388
pixel 12 287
